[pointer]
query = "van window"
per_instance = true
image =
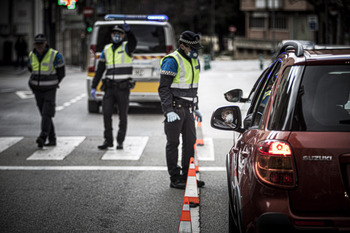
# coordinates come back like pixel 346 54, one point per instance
pixel 150 38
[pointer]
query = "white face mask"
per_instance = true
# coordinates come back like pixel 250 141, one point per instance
pixel 229 118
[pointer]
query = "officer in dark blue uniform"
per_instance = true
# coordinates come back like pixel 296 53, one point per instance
pixel 178 93
pixel 48 69
pixel 116 59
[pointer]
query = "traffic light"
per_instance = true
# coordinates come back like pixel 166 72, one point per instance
pixel 88 26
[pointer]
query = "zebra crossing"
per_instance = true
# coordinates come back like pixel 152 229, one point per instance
pixel 133 148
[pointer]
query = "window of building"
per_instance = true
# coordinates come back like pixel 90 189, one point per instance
pixel 257 22
pixel 281 22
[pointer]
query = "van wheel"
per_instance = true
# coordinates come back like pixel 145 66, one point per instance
pixel 93 106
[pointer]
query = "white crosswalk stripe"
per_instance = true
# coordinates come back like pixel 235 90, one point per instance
pixel 65 146
pixel 205 152
pixel 133 149
pixel 6 142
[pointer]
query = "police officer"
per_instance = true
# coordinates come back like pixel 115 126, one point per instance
pixel 178 93
pixel 116 58
pixel 48 69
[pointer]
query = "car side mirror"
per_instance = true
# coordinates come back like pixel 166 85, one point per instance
pixel 235 96
pixel 227 118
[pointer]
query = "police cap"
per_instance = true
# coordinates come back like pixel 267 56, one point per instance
pixel 40 38
pixel 190 38
pixel 117 28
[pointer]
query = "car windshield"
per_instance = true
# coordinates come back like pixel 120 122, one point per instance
pixel 324 99
pixel 150 38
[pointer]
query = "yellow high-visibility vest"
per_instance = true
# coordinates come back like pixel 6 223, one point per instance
pixel 187 74
pixel 44 72
pixel 118 62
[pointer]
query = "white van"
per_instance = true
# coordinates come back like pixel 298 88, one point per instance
pixel 155 39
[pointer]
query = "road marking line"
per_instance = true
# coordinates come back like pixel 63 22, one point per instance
pixel 69 103
pixel 6 142
pixel 65 145
pixel 99 168
pixel 133 149
pixel 25 94
pixel 206 152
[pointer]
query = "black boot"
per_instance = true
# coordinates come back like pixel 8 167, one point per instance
pixel 105 145
pixel 40 141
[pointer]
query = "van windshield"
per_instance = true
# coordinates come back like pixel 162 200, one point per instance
pixel 150 38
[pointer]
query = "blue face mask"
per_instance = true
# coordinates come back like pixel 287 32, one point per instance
pixel 116 38
pixel 193 54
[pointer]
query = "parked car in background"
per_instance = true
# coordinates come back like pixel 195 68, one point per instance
pixel 155 39
pixel 289 168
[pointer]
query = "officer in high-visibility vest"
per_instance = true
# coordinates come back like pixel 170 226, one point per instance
pixel 48 69
pixel 116 58
pixel 178 86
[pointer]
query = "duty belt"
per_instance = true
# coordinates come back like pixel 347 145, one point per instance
pixel 179 103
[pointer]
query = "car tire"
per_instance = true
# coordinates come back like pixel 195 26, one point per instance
pixel 93 106
pixel 232 227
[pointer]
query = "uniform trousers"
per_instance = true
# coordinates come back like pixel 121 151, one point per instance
pixel 186 127
pixel 119 97
pixel 46 102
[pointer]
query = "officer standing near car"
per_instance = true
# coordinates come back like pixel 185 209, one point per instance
pixel 178 93
pixel 116 59
pixel 48 69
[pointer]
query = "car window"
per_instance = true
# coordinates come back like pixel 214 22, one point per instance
pixel 150 38
pixel 324 100
pixel 284 102
pixel 259 84
pixel 264 95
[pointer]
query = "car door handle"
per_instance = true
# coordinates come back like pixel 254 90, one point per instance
pixel 235 150
pixel 245 154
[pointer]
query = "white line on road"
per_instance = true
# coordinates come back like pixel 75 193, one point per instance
pixel 25 94
pixel 6 142
pixel 133 149
pixel 72 101
pixel 100 168
pixel 65 146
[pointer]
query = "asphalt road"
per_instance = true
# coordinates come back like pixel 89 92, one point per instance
pixel 84 192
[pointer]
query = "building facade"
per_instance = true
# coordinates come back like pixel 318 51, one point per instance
pixel 268 22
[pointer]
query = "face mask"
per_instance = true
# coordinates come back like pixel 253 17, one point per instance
pixel 116 38
pixel 229 118
pixel 193 54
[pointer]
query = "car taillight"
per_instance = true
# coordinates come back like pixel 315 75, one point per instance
pixel 274 164
pixel 169 49
pixel 92 58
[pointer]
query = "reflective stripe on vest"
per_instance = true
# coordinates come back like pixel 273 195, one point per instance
pixel 44 72
pixel 184 78
pixel 118 62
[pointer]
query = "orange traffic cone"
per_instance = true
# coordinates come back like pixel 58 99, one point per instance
pixel 185 219
pixel 191 190
pixel 196 158
pixel 199 130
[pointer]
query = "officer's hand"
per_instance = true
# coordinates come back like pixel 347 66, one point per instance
pixel 93 93
pixel 198 115
pixel 126 27
pixel 172 116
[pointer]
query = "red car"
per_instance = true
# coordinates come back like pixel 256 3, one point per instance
pixel 289 168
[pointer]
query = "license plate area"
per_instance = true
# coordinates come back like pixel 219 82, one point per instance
pixel 142 72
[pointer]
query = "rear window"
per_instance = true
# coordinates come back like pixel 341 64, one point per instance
pixel 150 38
pixel 324 99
